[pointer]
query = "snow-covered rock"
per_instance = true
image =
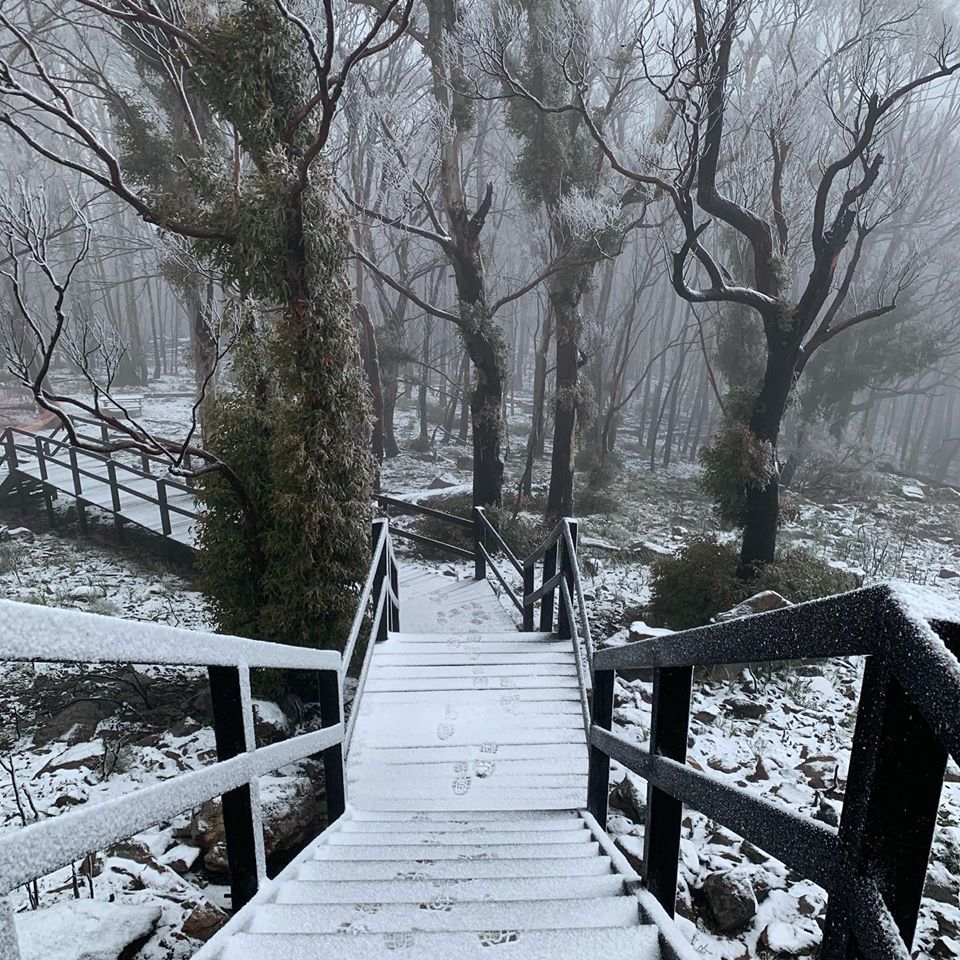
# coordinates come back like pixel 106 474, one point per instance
pixel 85 930
pixel 758 603
pixel 912 491
pixel 730 899
pixel 270 722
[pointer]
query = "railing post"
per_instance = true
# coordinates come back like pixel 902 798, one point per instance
pixel 564 624
pixel 479 543
pixel 238 812
pixel 669 721
pixel 78 490
pixel 598 776
pixel 890 807
pixel 115 497
pixel 529 585
pixel 164 508
pixel 395 585
pixel 378 580
pixel 45 488
pixel 330 716
pixel 546 603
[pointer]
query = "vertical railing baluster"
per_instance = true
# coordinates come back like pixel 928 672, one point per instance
pixel 379 579
pixel 479 543
pixel 238 810
pixel 164 507
pixel 598 777
pixel 78 490
pixel 529 585
pixel 330 716
pixel 669 721
pixel 546 603
pixel 115 496
pixel 45 486
pixel 890 807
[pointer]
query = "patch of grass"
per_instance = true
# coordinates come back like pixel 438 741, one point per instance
pixel 700 582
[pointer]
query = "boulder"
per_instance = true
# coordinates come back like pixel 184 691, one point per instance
pixel 780 941
pixel 759 603
pixel 646 551
pixel 821 772
pixel 86 930
pixel 19 533
pixel 941 885
pixel 442 483
pixel 84 756
pixel 730 900
pixel 948 573
pixel 744 708
pixel 181 857
pixel 76 722
pixel 204 921
pixel 270 723
pixel 630 798
pixel 912 491
pixel 289 809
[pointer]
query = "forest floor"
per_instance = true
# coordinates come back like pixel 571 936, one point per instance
pixel 77 736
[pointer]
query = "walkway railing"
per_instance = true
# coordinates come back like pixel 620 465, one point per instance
pixel 559 577
pixel 873 867
pixel 30 633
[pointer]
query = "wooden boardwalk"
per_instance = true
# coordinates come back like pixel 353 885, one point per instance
pixel 463 835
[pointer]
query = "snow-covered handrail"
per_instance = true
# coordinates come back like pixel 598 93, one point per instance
pixel 29 632
pixel 908 723
pixel 40 634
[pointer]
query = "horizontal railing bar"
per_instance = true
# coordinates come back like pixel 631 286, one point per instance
pixel 430 542
pixel 507 552
pixel 847 625
pixel 44 634
pixel 416 509
pixel 551 539
pixel 585 681
pixel 354 633
pixel 65 444
pixel 807 846
pixel 578 590
pixel 40 848
pixel 531 598
pixel 517 602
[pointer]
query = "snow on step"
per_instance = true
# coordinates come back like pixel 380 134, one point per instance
pixel 456 851
pixel 461 891
pixel 441 838
pixel 450 826
pixel 442 915
pixel 327 870
pixel 638 943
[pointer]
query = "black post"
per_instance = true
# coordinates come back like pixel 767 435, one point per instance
pixel 529 585
pixel 598 777
pixel 564 621
pixel 546 603
pixel 378 580
pixel 13 463
pixel 164 508
pixel 395 585
pixel 890 808
pixel 479 542
pixel 115 497
pixel 238 821
pixel 330 716
pixel 78 490
pixel 45 488
pixel 669 721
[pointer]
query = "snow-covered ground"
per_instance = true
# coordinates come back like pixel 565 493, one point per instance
pixel 77 736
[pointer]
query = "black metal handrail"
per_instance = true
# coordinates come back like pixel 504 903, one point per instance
pixel 381 590
pixel 30 633
pixel 908 723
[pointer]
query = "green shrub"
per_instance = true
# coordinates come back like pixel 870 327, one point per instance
pixel 700 582
pixel 734 461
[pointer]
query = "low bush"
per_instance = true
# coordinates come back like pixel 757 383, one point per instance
pixel 700 581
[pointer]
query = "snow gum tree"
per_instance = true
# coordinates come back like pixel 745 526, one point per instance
pixel 284 531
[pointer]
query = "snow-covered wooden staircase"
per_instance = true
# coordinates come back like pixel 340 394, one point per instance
pixel 463 836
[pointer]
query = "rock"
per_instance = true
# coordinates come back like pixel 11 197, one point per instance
pixel 270 723
pixel 912 491
pixel 744 708
pixel 941 885
pixel 134 850
pixel 85 592
pixel 821 772
pixel 19 533
pixel 442 483
pixel 464 463
pixel 948 573
pixel 752 853
pixel 70 798
pixel 730 900
pixel 632 849
pixel 724 764
pixel 759 603
pixel 76 722
pixel 84 756
pixel 759 773
pixel 289 808
pixel 631 798
pixel 827 813
pixel 640 631
pixel 86 930
pixel 204 921
pixel 181 857
pixel 647 552
pixel 780 940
